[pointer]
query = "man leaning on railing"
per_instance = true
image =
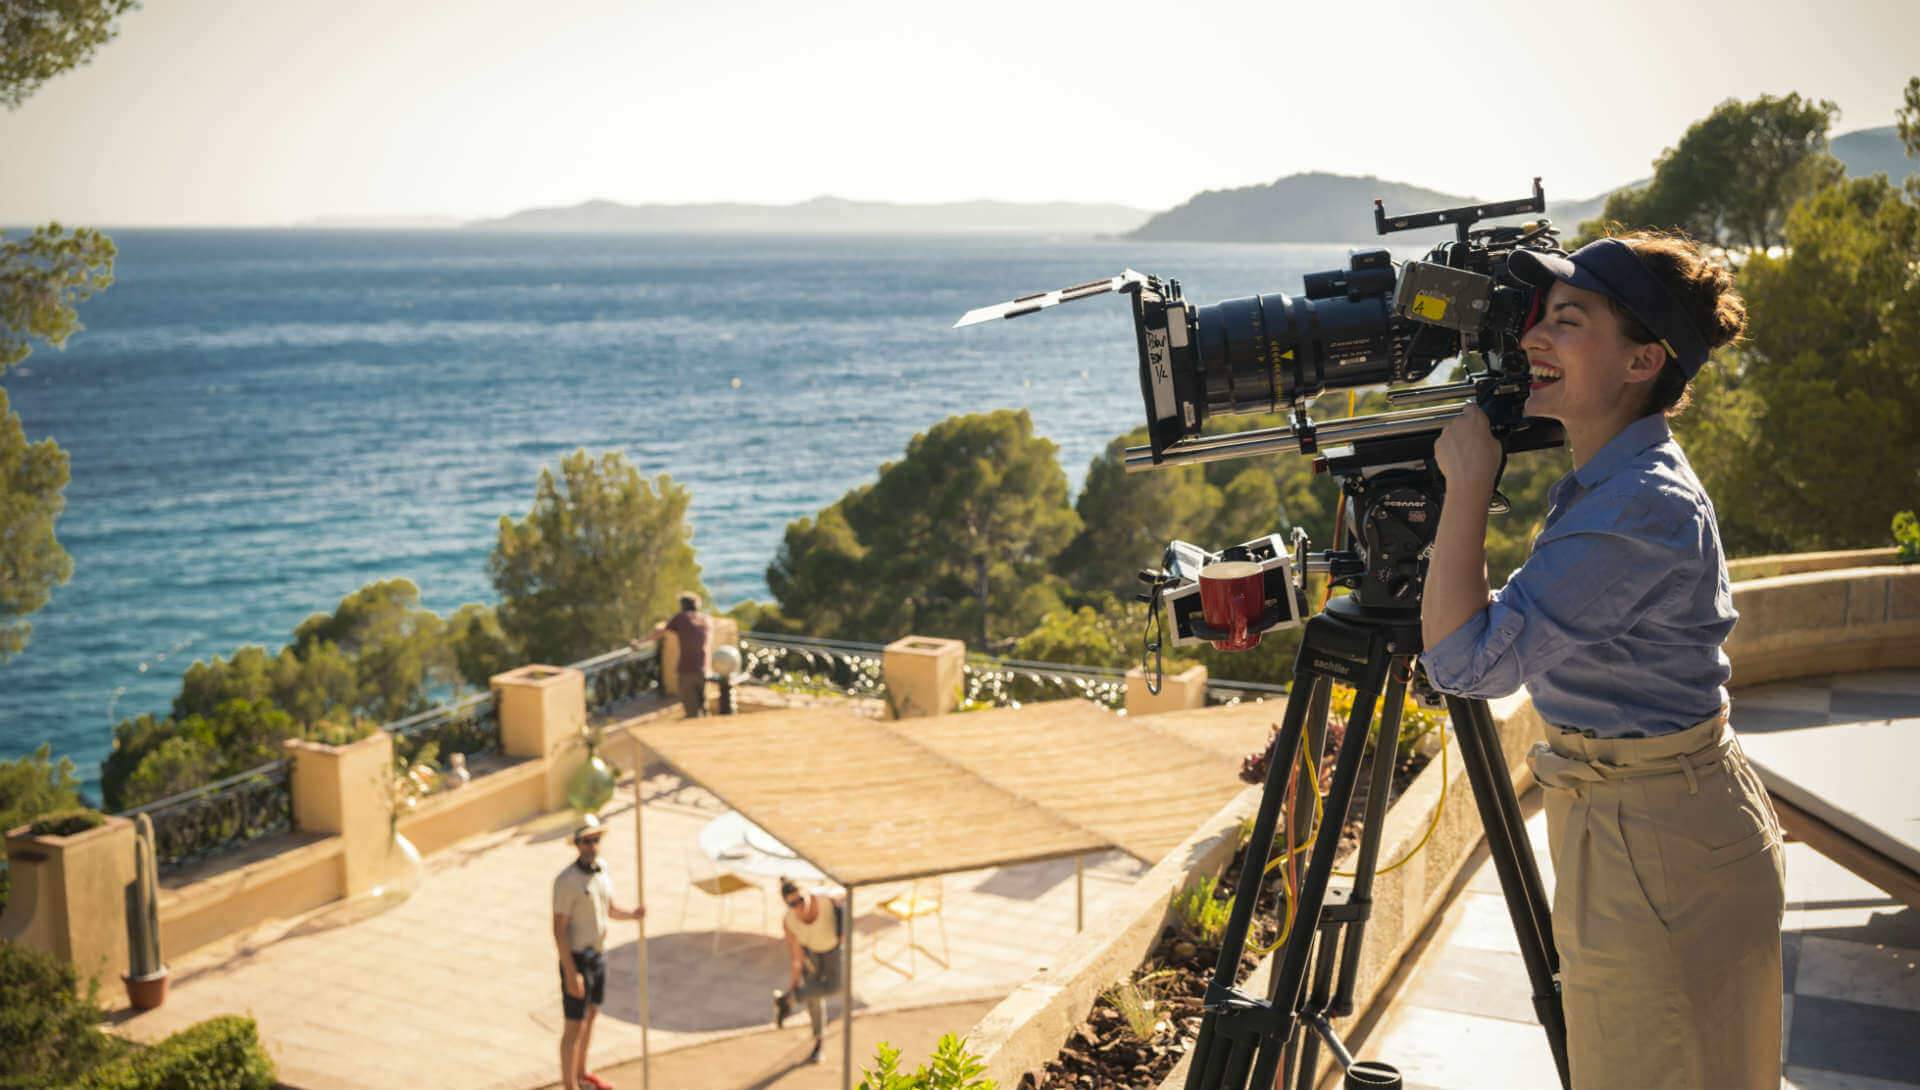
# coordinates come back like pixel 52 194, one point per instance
pixel 695 632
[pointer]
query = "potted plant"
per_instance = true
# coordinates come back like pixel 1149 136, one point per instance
pixel 146 977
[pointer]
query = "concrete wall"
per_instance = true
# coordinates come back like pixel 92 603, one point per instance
pixel 70 894
pixel 67 894
pixel 1178 692
pixel 1761 567
pixel 924 675
pixel 284 884
pixel 505 797
pixel 1825 622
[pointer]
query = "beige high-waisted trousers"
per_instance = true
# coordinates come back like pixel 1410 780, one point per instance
pixel 1668 891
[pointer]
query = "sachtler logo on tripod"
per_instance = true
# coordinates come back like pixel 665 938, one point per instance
pixel 1367 324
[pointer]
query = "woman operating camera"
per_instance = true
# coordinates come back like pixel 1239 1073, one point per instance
pixel 1666 853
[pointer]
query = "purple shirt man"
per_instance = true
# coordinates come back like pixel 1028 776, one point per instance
pixel 694 631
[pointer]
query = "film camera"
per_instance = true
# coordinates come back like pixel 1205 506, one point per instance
pixel 1370 323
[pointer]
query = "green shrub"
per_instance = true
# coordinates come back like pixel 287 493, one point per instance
pixel 1906 534
pixel 221 1053
pixel 30 786
pixel 1138 1002
pixel 66 822
pixel 951 1067
pixel 47 1034
pixel 1201 913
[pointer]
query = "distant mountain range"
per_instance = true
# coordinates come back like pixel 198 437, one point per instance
pixel 1311 207
pixel 833 214
pixel 1322 207
pixel 1874 151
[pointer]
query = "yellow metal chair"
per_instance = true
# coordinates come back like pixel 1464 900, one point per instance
pixel 706 877
pixel 923 898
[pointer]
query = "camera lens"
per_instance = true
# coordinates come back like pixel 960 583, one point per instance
pixel 1262 353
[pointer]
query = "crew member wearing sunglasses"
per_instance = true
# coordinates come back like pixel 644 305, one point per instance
pixel 814 924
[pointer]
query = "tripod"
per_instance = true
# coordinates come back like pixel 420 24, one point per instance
pixel 1369 640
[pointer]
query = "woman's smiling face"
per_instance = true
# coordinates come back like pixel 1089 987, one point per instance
pixel 1587 373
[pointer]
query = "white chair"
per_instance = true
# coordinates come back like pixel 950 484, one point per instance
pixel 923 898
pixel 705 876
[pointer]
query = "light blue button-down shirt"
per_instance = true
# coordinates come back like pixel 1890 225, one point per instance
pixel 1615 622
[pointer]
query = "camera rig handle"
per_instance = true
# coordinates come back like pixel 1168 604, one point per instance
pixel 1463 217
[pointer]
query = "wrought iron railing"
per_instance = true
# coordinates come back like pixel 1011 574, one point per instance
pixel 1221 693
pixel 470 726
pixel 1009 683
pixel 854 669
pixel 805 664
pixel 620 674
pixel 222 815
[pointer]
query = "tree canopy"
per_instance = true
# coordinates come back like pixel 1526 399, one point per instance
pixel 39 39
pixel 600 557
pixel 378 657
pixel 42 278
pixel 33 477
pixel 1732 178
pixel 1810 442
pixel 954 539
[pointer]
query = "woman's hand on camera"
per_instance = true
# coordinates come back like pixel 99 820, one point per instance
pixel 1467 452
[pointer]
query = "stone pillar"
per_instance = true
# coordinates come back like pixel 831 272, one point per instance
pixel 1186 689
pixel 542 709
pixel 923 675
pixel 343 791
pixel 70 896
pixel 726 630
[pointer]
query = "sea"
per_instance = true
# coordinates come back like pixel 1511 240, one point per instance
pixel 260 422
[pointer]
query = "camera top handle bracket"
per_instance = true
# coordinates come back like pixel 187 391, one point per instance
pixel 1463 217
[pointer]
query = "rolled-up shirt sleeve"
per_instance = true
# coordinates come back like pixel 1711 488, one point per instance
pixel 1588 580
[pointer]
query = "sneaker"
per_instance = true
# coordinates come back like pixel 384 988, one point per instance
pixel 596 1081
pixel 814 1056
pixel 780 1008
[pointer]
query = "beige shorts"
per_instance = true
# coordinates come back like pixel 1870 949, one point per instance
pixel 1666 908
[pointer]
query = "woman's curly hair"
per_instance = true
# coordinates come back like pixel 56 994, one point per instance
pixel 1704 288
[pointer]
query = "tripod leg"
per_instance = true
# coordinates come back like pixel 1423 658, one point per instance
pixel 1288 974
pixel 1323 965
pixel 1386 755
pixel 1218 1052
pixel 1512 854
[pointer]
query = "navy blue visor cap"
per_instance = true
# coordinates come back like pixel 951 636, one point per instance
pixel 1611 268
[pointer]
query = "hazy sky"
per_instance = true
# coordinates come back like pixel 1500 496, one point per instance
pixel 266 111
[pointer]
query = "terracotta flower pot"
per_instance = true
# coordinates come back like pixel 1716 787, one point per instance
pixel 147 992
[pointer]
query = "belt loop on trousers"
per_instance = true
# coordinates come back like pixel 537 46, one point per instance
pixel 1693 782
